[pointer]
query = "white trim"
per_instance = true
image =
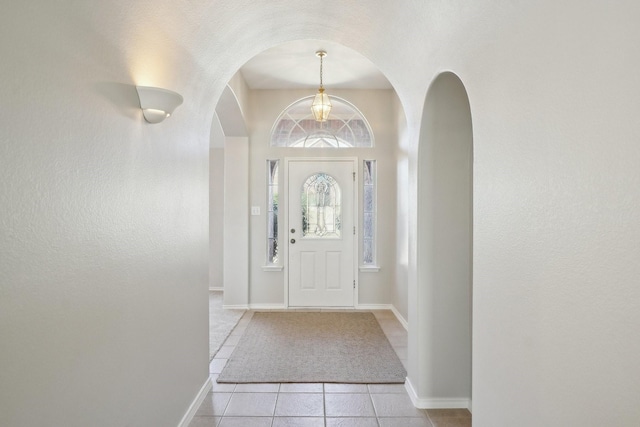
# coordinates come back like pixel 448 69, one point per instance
pixel 193 408
pixel 272 268
pixel 267 307
pixel 356 215
pixel 435 403
pixel 373 307
pixel 401 319
pixel 369 268
pixel 235 307
pixel 217 288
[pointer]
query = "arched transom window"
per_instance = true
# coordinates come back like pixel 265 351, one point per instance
pixel 346 127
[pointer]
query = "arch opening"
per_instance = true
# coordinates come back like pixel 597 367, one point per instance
pixel 445 246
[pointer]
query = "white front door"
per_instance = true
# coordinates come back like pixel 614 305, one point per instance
pixel 321 232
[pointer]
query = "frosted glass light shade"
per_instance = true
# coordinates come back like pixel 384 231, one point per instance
pixel 321 106
pixel 157 104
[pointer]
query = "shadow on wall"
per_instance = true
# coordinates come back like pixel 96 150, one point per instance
pixel 445 218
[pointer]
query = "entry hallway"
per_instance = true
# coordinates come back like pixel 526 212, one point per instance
pixel 318 405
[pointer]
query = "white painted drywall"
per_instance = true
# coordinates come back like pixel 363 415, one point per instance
pixel 216 205
pixel 104 245
pixel 236 222
pixel 216 217
pixel 443 333
pixel 103 230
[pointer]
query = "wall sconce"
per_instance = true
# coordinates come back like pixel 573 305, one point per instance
pixel 157 104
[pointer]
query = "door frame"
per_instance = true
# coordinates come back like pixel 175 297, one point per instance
pixel 356 223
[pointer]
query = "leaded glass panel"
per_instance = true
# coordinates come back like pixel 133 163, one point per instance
pixel 272 211
pixel 346 127
pixel 321 202
pixel 369 213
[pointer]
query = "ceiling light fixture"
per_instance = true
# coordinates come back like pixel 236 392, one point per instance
pixel 321 105
pixel 157 104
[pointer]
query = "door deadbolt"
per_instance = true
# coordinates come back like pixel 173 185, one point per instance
pixel 293 230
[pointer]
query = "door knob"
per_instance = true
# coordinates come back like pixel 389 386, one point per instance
pixel 293 240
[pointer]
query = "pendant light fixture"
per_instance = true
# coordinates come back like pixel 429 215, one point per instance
pixel 321 104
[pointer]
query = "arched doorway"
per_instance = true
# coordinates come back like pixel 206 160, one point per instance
pixel 445 242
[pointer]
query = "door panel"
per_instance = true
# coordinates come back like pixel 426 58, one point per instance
pixel 321 238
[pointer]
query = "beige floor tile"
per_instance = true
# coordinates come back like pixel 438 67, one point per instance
pixel 300 405
pixel 245 422
pixel 205 421
pixel 395 405
pixel 217 365
pixel 301 388
pixel 298 422
pixel 232 340
pixel 352 422
pixel 214 404
pixel 387 388
pixel 251 405
pixel 224 352
pixel 219 387
pixel 397 341
pixel 258 388
pixel 345 388
pixel 348 405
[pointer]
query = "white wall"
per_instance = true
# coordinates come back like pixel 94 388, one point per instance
pixel 267 287
pixel 236 222
pixel 216 217
pixel 103 218
pixel 103 233
pixel 441 333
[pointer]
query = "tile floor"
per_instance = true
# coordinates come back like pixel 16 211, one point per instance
pixel 318 405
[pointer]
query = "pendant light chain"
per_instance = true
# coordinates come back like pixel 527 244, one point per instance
pixel 321 56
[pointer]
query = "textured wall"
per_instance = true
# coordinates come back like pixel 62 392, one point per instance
pixel 103 233
pixel 103 245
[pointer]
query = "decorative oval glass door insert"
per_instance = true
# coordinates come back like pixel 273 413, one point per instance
pixel 320 201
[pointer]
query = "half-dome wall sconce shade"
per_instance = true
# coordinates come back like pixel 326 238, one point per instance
pixel 157 104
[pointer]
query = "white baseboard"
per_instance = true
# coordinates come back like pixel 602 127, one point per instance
pixel 373 307
pixel 193 408
pixel 216 288
pixel 435 403
pixel 401 319
pixel 267 307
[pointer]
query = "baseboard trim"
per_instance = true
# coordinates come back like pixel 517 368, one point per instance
pixel 217 288
pixel 373 307
pixel 267 307
pixel 193 408
pixel 435 403
pixel 401 319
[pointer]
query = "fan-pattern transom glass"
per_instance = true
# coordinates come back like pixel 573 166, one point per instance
pixel 321 201
pixel 346 127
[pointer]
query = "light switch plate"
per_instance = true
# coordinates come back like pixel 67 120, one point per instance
pixel 255 210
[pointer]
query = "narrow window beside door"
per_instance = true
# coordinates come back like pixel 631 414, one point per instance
pixel 369 213
pixel 272 212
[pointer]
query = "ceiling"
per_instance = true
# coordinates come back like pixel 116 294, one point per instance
pixel 294 65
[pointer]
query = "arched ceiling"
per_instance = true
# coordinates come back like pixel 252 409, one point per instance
pixel 294 65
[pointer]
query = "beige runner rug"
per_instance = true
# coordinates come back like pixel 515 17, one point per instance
pixel 309 347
